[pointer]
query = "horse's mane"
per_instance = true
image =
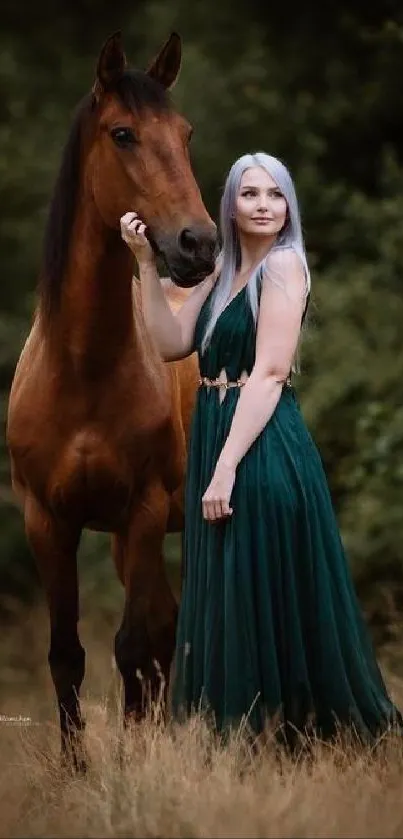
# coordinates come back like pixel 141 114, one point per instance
pixel 136 90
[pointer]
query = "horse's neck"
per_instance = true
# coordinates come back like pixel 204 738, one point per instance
pixel 96 312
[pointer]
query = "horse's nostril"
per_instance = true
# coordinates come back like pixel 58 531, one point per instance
pixel 188 241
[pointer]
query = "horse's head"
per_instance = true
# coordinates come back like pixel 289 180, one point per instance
pixel 139 160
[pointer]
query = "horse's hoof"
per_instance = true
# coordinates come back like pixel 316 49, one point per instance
pixel 73 760
pixel 132 718
pixel 73 766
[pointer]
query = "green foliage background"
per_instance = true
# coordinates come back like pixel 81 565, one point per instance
pixel 320 88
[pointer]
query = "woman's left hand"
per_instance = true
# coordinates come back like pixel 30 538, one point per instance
pixel 216 499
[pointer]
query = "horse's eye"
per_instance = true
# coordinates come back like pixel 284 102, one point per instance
pixel 123 137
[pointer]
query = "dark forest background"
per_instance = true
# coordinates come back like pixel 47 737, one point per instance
pixel 320 87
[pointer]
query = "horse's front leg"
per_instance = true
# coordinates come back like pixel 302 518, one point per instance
pixel 144 643
pixel 54 546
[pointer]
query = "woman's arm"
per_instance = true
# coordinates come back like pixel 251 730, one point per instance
pixel 172 333
pixel 279 324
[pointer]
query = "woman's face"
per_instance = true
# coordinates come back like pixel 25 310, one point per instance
pixel 260 206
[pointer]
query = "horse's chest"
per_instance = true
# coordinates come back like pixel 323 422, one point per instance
pixel 89 456
pixel 96 479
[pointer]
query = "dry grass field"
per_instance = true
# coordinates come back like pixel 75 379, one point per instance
pixel 174 782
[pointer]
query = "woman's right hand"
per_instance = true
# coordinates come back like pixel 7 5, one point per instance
pixel 133 233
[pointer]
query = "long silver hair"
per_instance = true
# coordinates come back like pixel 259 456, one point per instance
pixel 230 255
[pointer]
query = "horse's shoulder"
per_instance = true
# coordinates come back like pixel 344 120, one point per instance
pixel 175 295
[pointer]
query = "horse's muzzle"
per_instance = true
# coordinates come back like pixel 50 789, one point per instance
pixel 189 255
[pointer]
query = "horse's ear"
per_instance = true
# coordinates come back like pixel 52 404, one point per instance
pixel 111 63
pixel 165 67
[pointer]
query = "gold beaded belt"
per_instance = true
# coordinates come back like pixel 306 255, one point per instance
pixel 204 380
pixel 219 383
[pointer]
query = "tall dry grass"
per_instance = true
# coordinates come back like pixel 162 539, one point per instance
pixel 151 782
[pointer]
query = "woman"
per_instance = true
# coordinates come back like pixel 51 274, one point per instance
pixel 269 624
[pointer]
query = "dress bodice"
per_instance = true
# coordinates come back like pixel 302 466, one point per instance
pixel 232 344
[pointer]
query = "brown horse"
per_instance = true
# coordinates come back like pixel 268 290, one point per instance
pixel 97 422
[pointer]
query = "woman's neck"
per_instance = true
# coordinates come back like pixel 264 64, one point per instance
pixel 253 250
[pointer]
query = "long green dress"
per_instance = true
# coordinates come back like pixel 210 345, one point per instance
pixel 269 623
